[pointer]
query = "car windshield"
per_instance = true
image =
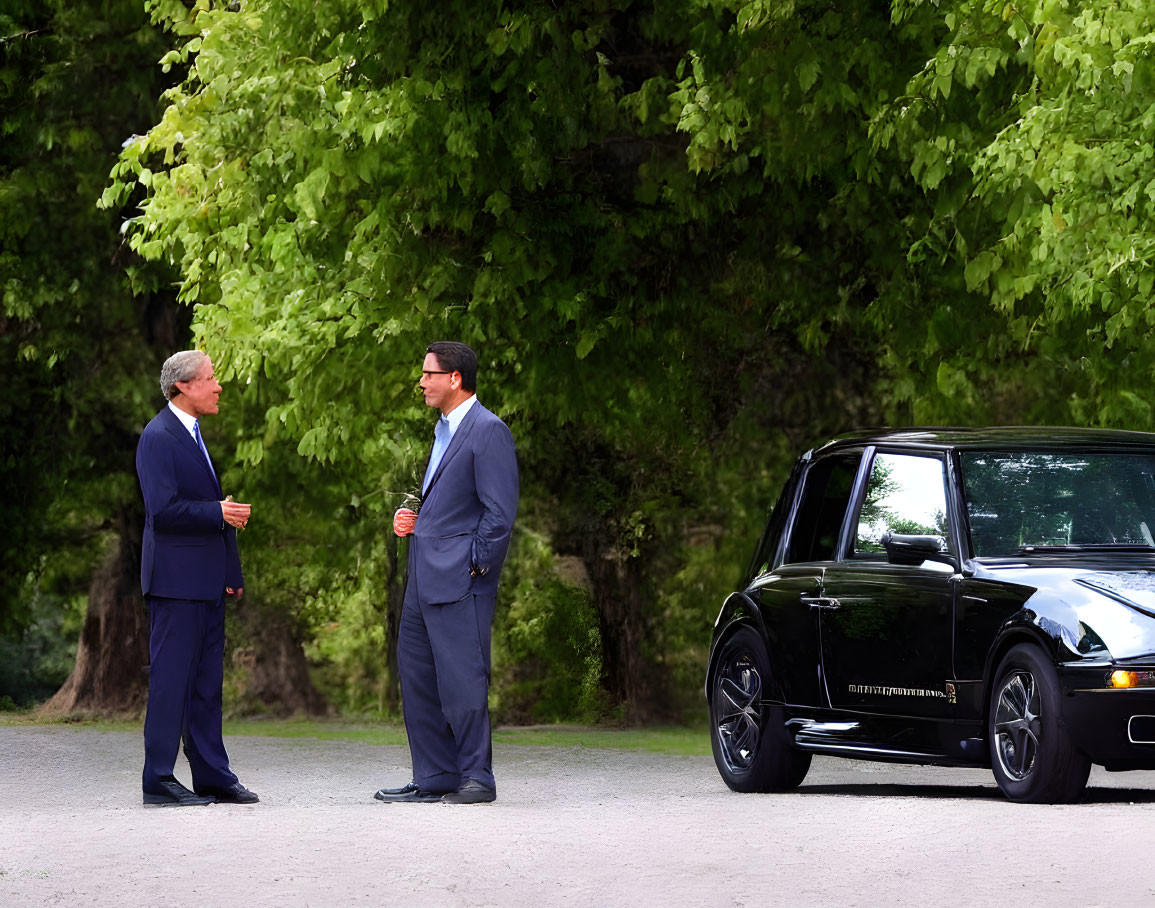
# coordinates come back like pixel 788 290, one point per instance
pixel 1020 501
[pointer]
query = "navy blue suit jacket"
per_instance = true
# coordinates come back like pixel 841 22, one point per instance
pixel 188 551
pixel 467 512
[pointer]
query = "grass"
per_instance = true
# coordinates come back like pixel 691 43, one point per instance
pixel 665 740
pixel 694 742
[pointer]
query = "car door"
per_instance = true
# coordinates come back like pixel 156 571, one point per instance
pixel 786 595
pixel 886 629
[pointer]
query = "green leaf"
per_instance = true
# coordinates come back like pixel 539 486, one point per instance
pixel 310 192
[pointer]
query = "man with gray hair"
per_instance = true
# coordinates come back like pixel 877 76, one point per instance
pixel 188 566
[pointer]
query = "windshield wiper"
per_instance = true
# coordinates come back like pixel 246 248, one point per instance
pixel 1084 547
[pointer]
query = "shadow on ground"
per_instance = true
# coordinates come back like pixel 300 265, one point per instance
pixel 970 792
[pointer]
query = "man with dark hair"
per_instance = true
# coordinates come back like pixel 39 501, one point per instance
pixel 454 357
pixel 188 566
pixel 456 551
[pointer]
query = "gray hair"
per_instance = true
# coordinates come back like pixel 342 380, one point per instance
pixel 182 366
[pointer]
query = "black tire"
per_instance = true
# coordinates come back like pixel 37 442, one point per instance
pixel 752 746
pixel 1032 755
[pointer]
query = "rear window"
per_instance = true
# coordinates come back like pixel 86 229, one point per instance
pixel 825 497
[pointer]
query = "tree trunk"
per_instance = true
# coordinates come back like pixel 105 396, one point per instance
pixel 111 672
pixel 273 672
pixel 631 676
pixel 110 677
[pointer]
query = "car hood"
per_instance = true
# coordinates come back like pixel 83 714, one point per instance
pixel 1090 606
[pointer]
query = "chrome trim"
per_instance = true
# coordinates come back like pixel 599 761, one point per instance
pixel 1131 737
pixel 809 744
pixel 822 727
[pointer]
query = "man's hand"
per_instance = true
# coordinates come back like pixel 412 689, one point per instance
pixel 235 513
pixel 404 521
pixel 237 593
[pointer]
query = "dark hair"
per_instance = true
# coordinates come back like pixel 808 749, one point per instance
pixel 456 357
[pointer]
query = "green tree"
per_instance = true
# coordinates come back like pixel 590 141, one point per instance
pixel 1030 131
pixel 76 78
pixel 364 180
pixel 686 240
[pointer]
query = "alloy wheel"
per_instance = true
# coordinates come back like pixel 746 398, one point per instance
pixel 1017 724
pixel 739 709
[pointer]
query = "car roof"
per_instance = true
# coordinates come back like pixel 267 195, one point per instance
pixel 995 437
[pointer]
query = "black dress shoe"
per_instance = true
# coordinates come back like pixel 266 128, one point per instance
pixel 386 793
pixel 173 794
pixel 471 792
pixel 230 794
pixel 409 794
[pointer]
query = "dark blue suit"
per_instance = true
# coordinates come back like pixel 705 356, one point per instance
pixel 188 557
pixel 456 553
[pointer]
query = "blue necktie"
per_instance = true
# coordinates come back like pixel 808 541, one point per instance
pixel 201 445
pixel 440 443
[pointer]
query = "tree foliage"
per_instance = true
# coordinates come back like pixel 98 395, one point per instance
pixel 75 79
pixel 365 182
pixel 688 239
pixel 1030 132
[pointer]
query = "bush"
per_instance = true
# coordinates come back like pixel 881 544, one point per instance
pixel 547 644
pixel 36 660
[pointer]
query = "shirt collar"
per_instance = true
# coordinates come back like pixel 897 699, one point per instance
pixel 186 420
pixel 457 414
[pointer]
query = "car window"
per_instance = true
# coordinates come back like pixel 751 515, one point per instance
pixel 1016 499
pixel 825 497
pixel 906 494
pixel 767 550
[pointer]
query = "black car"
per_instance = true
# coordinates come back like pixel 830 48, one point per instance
pixel 959 597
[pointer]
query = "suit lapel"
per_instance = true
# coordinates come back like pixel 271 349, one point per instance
pixel 188 443
pixel 455 444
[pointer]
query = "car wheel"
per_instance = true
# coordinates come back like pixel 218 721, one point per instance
pixel 1032 755
pixel 752 747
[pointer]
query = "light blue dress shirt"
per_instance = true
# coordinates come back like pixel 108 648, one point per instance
pixel 442 435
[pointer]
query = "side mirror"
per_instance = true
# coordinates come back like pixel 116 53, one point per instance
pixel 904 548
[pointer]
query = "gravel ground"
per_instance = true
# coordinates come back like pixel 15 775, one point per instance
pixel 571 826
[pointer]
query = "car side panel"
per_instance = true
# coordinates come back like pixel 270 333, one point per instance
pixel 886 639
pixel 791 630
pixel 984 613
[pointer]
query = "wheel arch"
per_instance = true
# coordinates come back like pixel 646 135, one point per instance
pixel 738 611
pixel 1023 627
pixel 1033 757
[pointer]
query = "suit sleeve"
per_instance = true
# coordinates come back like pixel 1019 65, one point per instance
pixel 171 513
pixel 495 476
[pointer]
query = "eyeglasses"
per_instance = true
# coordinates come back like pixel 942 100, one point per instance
pixel 425 373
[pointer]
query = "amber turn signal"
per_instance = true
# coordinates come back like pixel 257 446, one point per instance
pixel 1132 679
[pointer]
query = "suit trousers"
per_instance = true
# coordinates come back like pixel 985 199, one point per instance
pixel 444 661
pixel 186 649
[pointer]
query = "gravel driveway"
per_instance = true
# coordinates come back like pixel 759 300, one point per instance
pixel 571 826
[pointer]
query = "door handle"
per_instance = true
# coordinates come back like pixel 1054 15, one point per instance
pixel 821 602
